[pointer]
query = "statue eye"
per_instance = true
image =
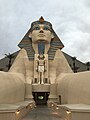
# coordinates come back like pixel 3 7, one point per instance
pixel 46 28
pixel 36 28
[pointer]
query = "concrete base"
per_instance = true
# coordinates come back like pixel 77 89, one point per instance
pixel 74 111
pixel 15 111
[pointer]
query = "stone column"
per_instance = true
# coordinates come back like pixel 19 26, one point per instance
pixel 53 93
pixel 28 92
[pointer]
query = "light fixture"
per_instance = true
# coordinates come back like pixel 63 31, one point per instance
pixel 52 104
pixel 18 112
pixel 35 106
pixel 68 112
pixel 57 107
pixel 31 106
pixel 40 97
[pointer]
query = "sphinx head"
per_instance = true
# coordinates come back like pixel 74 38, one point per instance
pixel 41 31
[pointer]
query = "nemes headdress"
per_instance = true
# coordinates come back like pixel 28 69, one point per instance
pixel 26 42
pixel 41 21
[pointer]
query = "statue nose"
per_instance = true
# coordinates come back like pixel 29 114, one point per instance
pixel 41 30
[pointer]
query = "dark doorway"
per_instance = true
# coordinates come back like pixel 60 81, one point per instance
pixel 41 97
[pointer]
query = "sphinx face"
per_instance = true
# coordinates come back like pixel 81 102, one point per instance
pixel 41 32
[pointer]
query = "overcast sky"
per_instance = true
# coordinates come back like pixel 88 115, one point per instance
pixel 70 20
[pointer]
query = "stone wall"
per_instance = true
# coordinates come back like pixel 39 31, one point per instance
pixel 74 88
pixel 12 88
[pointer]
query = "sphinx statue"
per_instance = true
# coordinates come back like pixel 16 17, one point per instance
pixel 44 61
pixel 40 66
pixel 39 62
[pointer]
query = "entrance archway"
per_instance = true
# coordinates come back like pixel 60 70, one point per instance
pixel 41 97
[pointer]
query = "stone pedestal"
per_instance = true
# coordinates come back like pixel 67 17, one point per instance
pixel 40 88
pixel 53 93
pixel 28 92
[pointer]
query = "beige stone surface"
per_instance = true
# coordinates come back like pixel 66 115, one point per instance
pixel 9 111
pixel 19 63
pixel 74 111
pixel 29 68
pixel 53 92
pixel 28 91
pixel 8 116
pixel 24 66
pixel 52 71
pixel 62 65
pixel 57 66
pixel 12 88
pixel 74 88
pixel 76 107
pixel 41 88
pixel 8 107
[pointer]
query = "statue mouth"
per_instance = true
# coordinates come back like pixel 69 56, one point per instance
pixel 41 35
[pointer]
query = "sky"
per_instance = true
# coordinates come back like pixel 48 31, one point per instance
pixel 70 20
